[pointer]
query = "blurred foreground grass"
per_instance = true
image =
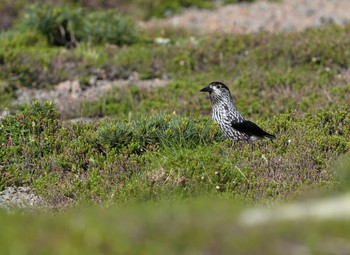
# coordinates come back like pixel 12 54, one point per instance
pixel 195 226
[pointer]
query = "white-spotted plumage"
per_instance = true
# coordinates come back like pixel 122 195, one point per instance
pixel 233 125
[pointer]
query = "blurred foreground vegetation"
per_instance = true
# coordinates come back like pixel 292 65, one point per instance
pixel 201 226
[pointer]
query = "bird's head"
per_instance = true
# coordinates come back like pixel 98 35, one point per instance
pixel 217 92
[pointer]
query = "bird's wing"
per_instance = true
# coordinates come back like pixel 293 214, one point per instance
pixel 251 129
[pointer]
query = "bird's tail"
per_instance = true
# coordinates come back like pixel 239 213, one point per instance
pixel 269 136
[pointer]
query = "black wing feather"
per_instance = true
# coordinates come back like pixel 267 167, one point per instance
pixel 251 129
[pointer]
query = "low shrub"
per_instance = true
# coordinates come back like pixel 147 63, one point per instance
pixel 159 156
pixel 158 130
pixel 67 25
pixel 58 24
pixel 108 27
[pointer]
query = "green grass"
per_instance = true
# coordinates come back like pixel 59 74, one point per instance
pixel 304 70
pixel 293 85
pixel 157 156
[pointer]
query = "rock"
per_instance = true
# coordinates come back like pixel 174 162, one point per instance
pixel 337 207
pixel 4 113
pixel 20 197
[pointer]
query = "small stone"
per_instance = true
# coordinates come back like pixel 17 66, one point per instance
pixel 6 197
pixel 11 190
pixel 24 189
pixel 162 41
pixel 19 197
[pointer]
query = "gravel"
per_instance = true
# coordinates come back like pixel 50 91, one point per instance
pixel 73 93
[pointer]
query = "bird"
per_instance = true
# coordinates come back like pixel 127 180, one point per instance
pixel 231 123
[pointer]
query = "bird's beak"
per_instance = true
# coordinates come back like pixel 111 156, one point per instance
pixel 207 89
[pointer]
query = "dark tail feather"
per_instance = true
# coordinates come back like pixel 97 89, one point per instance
pixel 269 136
pixel 252 129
